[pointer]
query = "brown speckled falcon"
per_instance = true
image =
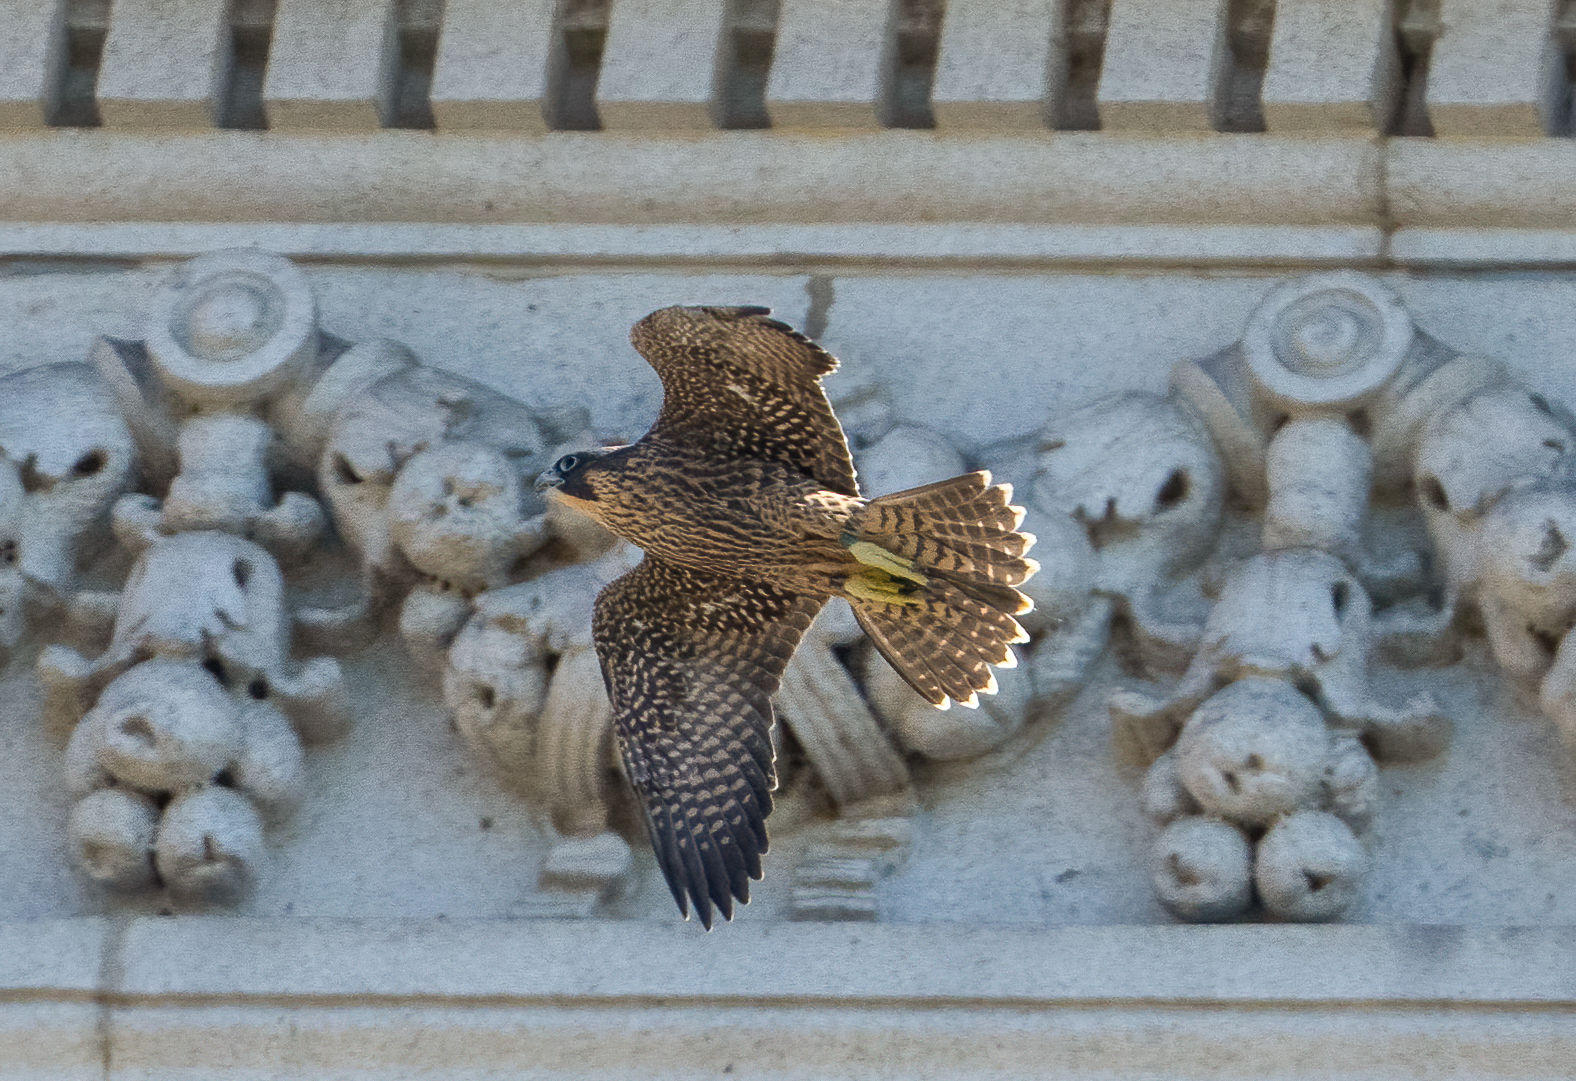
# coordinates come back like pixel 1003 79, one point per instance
pixel 744 499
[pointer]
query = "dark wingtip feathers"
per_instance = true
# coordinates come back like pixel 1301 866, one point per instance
pixel 709 869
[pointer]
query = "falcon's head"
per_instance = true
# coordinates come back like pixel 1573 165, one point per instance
pixel 573 477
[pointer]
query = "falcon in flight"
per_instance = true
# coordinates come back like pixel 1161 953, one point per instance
pixel 744 499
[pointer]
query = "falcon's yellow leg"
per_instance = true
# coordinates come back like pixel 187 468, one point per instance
pixel 873 555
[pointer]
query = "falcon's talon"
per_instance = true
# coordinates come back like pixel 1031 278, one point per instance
pixel 880 587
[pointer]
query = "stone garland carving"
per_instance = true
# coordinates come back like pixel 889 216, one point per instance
pixel 1495 484
pixel 855 720
pixel 428 478
pixel 1333 406
pixel 65 455
pixel 187 730
pixel 523 685
pixel 186 725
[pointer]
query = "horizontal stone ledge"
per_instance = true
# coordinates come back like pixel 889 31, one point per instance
pixel 734 178
pixel 806 1042
pixel 53 958
pixel 878 244
pixel 1484 248
pixel 1486 184
pixel 209 960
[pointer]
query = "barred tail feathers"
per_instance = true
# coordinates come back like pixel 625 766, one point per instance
pixel 941 611
pixel 965 527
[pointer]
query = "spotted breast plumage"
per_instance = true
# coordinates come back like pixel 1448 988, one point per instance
pixel 744 499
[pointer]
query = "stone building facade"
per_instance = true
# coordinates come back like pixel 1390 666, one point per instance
pixel 1265 308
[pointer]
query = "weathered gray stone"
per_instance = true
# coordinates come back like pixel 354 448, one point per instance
pixel 331 67
pixel 1496 71
pixel 492 66
pixel 999 66
pixel 1163 61
pixel 1333 66
pixel 993 277
pixel 659 65
pixel 31 51
pixel 829 66
pixel 164 64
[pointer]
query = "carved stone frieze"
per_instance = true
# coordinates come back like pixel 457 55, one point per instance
pixel 1332 407
pixel 203 525
pixel 251 430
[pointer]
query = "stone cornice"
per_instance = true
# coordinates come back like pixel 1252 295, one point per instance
pixel 371 998
pixel 1047 199
pixel 735 178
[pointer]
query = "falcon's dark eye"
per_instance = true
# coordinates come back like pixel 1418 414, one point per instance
pixel 566 464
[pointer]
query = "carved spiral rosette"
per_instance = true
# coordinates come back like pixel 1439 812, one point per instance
pixel 1327 340
pixel 229 327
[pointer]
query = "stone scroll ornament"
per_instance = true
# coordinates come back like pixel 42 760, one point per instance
pixel 214 444
pixel 1332 408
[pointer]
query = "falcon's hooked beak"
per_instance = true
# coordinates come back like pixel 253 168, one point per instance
pixel 547 481
pixel 567 477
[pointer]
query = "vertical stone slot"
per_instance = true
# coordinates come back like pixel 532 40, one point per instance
pixel 251 24
pixel 745 64
pixel 1417 27
pixel 911 66
pixel 1239 99
pixel 576 64
pixel 1564 30
pixel 1074 101
pixel 86 27
pixel 417 24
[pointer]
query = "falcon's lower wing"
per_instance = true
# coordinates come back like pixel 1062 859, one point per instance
pixel 691 662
